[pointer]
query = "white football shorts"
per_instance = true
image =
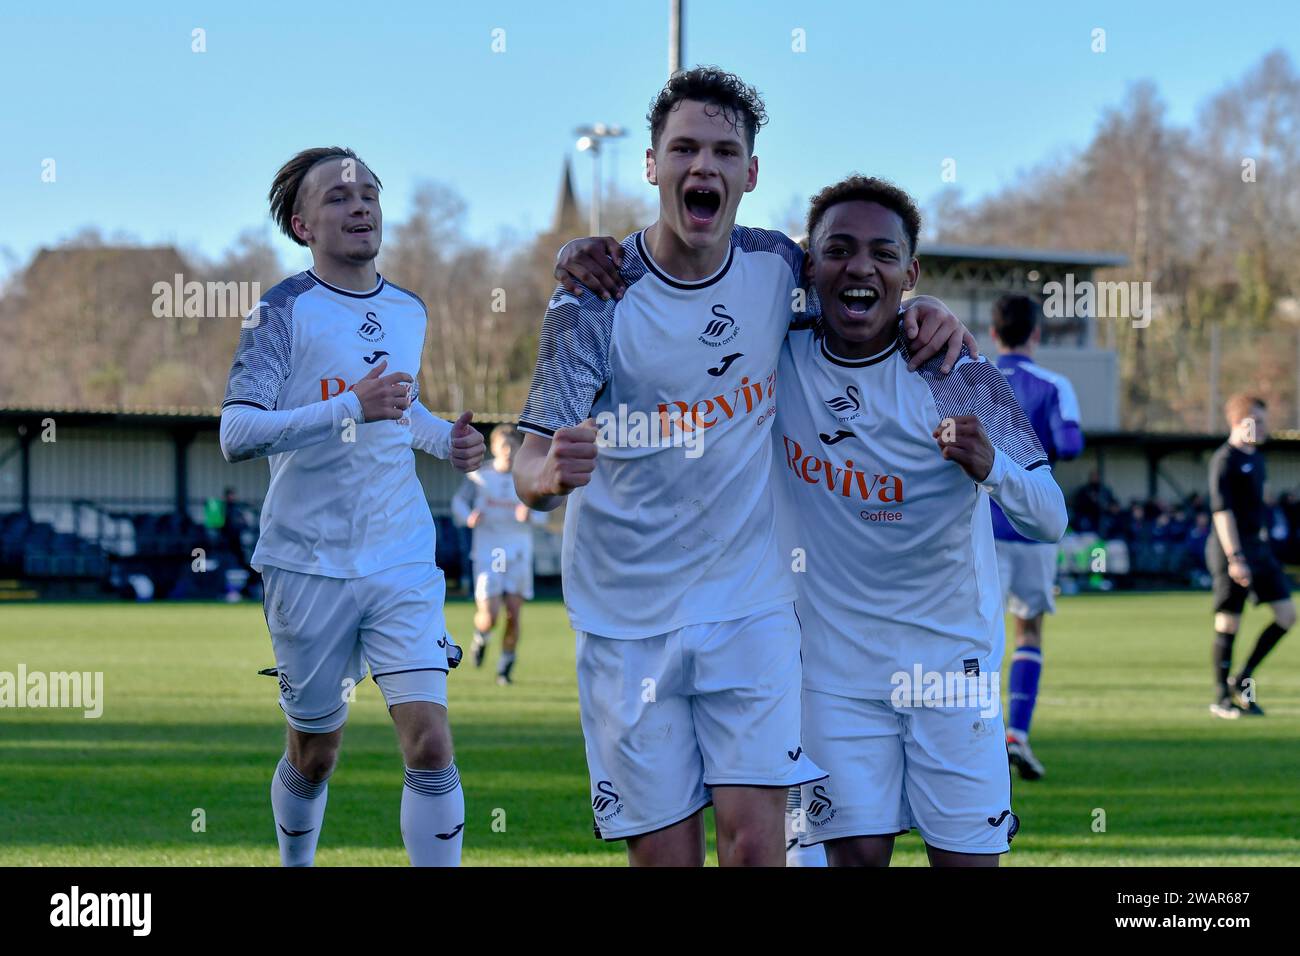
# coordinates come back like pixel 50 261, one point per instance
pixel 325 631
pixel 668 717
pixel 1028 573
pixel 503 570
pixel 942 770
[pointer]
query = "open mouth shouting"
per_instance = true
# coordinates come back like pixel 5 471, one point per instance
pixel 858 301
pixel 363 228
pixel 702 205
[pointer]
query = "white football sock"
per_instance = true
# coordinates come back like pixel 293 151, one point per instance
pixel 433 816
pixel 299 808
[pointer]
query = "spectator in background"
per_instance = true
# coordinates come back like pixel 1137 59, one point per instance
pixel 1136 530
pixel 232 535
pixel 1289 505
pixel 1114 522
pixel 1276 527
pixel 1090 502
pixel 1195 545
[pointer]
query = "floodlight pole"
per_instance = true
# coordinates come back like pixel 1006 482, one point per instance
pixel 674 36
pixel 590 139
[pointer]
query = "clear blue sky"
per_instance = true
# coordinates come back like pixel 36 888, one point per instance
pixel 162 144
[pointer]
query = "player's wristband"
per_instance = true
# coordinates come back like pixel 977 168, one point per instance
pixel 1238 556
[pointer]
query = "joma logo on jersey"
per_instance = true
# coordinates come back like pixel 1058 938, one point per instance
pixel 744 399
pixel 371 330
pixel 843 480
pixel 720 329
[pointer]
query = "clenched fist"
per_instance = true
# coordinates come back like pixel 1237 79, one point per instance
pixel 962 439
pixel 571 460
pixel 467 445
pixel 386 397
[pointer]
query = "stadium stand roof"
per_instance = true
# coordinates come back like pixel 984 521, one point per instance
pixel 1098 260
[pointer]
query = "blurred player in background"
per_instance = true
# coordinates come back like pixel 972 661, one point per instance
pixel 1239 557
pixel 346 539
pixel 1028 568
pixel 885 479
pixel 502 548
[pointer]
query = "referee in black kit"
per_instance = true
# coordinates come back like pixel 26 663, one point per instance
pixel 1239 557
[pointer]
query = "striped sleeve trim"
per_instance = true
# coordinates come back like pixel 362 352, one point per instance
pixel 806 310
pixel 748 239
pixel 980 389
pixel 264 356
pixel 535 429
pixel 573 353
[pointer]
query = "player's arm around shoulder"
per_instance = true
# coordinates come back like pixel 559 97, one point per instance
pixel 593 263
pixel 930 328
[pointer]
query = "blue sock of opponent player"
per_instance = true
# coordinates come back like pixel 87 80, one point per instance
pixel 1026 666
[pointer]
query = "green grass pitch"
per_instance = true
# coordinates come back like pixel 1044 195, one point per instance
pixel 187 725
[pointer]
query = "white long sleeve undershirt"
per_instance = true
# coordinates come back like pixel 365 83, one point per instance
pixel 429 433
pixel 1031 500
pixel 248 432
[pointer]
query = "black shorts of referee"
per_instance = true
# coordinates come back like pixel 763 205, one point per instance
pixel 1267 580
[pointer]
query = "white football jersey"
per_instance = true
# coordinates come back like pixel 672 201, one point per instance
pixel 492 494
pixel 667 536
pixel 350 505
pixel 891 546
